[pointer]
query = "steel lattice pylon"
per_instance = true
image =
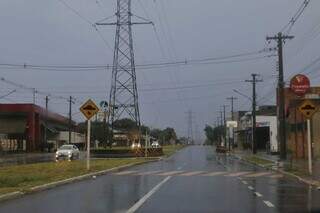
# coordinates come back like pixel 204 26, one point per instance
pixel 124 94
pixel 123 100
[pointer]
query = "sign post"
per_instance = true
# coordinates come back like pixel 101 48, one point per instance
pixel 88 143
pixel 89 109
pixel 307 108
pixel 309 147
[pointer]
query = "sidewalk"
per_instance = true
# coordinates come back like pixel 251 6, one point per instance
pixel 296 168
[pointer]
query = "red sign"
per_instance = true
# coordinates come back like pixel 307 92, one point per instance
pixel 300 84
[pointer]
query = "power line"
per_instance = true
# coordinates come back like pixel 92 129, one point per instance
pixel 85 20
pixel 191 62
pixel 296 17
pixel 154 89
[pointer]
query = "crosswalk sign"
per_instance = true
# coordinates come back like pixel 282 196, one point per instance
pixel 89 109
pixel 308 108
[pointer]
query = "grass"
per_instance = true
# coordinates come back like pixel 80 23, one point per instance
pixel 257 160
pixel 171 149
pixel 24 177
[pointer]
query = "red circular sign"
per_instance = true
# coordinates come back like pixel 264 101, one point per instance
pixel 300 84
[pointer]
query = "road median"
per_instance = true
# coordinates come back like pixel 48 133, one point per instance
pixel 16 181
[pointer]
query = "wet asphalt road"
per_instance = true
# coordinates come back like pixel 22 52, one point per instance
pixel 194 180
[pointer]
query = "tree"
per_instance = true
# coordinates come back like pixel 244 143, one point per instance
pixel 213 134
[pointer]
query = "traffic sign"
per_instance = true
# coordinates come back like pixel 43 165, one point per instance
pixel 300 84
pixel 233 124
pixel 89 109
pixel 308 108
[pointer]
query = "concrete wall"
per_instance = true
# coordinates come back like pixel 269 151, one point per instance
pixel 76 138
pixel 271 122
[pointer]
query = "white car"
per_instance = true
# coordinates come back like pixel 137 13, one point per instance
pixel 155 144
pixel 136 146
pixel 68 151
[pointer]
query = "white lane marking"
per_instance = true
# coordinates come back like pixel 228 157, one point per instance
pixel 180 167
pixel 244 182
pixel 138 204
pixel 259 174
pixel 150 172
pixel 125 173
pixel 250 187
pixel 276 176
pixel 237 174
pixel 268 203
pixel 191 173
pixel 258 194
pixel 170 173
pixel 214 174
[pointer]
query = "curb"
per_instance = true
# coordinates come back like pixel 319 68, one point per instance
pixel 308 182
pixel 16 194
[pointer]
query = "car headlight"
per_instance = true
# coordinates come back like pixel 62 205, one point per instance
pixel 69 152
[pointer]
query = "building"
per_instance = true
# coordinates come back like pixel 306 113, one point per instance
pixel 266 130
pixel 24 127
pixel 296 124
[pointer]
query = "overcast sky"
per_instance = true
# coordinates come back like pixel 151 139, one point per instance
pixel 49 33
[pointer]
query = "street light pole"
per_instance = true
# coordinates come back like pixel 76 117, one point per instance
pixel 254 106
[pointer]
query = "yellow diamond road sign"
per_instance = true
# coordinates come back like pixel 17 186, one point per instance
pixel 307 108
pixel 89 109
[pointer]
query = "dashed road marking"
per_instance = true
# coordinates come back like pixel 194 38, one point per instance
pixel 241 175
pixel 150 172
pixel 170 173
pixel 268 203
pixel 276 176
pixel 259 174
pixel 191 173
pixel 237 174
pixel 245 182
pixel 138 204
pixel 251 188
pixel 125 173
pixel 258 194
pixel 214 174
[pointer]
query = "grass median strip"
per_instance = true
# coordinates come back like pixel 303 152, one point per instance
pixel 24 177
pixel 257 160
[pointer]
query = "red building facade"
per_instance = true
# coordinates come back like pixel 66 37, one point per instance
pixel 31 123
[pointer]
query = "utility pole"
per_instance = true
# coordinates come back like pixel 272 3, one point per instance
pixel 221 126
pixel 123 99
pixel 190 126
pixel 254 81
pixel 34 91
pixel 70 117
pixel 280 39
pixel 46 120
pixel 224 125
pixel 232 99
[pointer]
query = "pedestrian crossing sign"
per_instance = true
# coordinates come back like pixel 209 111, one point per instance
pixel 89 109
pixel 308 108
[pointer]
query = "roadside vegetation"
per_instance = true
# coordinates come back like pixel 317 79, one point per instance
pixel 24 177
pixel 258 161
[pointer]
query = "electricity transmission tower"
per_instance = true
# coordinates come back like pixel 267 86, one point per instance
pixel 123 97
